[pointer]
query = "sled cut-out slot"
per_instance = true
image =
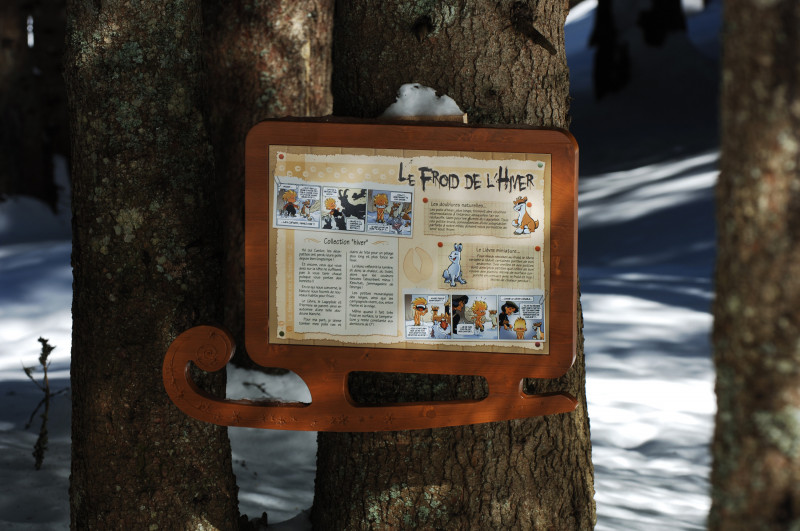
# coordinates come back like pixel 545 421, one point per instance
pixel 432 249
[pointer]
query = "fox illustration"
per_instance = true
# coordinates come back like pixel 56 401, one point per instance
pixel 493 317
pixel 538 332
pixel 305 210
pixel 396 210
pixel 525 223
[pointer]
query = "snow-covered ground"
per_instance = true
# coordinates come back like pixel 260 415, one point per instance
pixel 648 166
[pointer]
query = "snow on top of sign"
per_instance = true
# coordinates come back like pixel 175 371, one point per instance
pixel 414 99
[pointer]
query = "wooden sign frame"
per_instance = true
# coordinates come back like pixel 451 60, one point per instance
pixel 324 365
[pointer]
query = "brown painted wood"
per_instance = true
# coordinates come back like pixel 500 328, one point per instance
pixel 325 369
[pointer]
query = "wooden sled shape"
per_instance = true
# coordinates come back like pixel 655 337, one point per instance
pixel 332 409
pixel 288 162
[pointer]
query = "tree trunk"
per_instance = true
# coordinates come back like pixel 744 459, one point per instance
pixel 756 449
pixel 264 60
pixel 146 267
pixel 504 63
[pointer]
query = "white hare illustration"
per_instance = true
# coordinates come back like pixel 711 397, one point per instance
pixel 453 272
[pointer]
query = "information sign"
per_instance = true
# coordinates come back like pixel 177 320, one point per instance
pixel 441 249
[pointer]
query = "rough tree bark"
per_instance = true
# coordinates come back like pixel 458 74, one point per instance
pixel 756 448
pixel 264 60
pixel 504 63
pixel 146 265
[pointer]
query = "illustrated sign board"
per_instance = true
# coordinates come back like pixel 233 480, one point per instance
pixel 440 249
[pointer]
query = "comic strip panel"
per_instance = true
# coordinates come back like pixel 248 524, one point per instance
pixel 390 213
pixel 480 313
pixel 521 317
pixel 297 205
pixel 344 208
pixel 474 317
pixel 427 316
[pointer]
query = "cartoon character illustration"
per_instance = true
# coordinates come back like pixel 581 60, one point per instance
pixel 352 210
pixel 400 216
pixel 525 223
pixel 459 305
pixel 330 204
pixel 289 208
pixel 381 201
pixel 507 309
pixel 338 217
pixel 538 333
pixel 420 307
pixel 520 327
pixel 493 317
pixel 434 313
pixel 479 314
pixel 453 272
pixel 334 215
pixel 305 210
pixel 441 330
pixel 398 224
pixel 396 211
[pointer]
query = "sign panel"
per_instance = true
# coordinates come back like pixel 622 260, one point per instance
pixel 441 249
pixel 411 249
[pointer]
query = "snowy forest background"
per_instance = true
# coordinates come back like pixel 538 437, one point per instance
pixel 649 157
